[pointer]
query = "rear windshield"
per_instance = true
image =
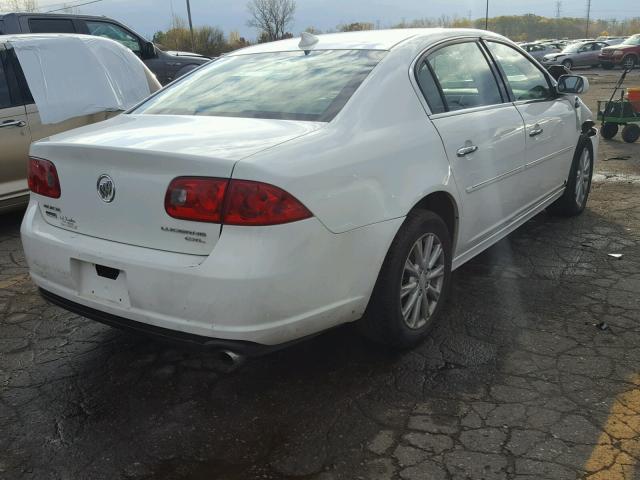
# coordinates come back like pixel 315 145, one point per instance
pixel 311 86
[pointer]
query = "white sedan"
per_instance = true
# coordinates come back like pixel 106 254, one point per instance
pixel 293 186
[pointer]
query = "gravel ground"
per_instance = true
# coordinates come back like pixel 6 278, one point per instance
pixel 533 374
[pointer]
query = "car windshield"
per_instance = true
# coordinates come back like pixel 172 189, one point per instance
pixel 635 40
pixel 298 85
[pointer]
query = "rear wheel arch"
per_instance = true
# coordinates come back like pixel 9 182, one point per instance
pixel 444 205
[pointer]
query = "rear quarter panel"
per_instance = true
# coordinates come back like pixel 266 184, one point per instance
pixel 378 158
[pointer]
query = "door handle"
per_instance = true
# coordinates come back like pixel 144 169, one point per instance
pixel 466 150
pixel 13 123
pixel 536 130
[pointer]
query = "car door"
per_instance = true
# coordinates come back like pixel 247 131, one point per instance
pixel 550 122
pixel 482 133
pixel 15 137
pixel 596 48
pixel 590 54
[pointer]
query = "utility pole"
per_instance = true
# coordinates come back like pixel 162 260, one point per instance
pixel 486 17
pixel 558 8
pixel 190 24
pixel 588 17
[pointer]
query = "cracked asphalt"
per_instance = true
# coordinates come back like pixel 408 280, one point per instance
pixel 533 374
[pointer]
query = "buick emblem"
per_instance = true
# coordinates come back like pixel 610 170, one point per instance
pixel 106 188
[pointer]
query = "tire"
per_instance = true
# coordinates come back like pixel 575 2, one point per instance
pixel 629 62
pixel 384 321
pixel 609 130
pixel 573 201
pixel 631 133
pixel 568 64
pixel 608 66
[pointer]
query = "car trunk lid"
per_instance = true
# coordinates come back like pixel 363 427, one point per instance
pixel 141 155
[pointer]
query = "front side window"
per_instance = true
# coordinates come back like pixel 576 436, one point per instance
pixel 464 76
pixel 114 32
pixel 526 81
pixel 51 25
pixel 311 86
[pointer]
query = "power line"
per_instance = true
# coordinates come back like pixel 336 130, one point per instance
pixel 72 6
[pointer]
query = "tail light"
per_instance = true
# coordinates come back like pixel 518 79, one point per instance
pixel 232 202
pixel 43 178
pixel 196 198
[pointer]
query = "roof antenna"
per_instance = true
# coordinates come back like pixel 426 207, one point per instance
pixel 307 41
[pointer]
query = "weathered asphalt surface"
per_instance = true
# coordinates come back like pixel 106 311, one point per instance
pixel 533 374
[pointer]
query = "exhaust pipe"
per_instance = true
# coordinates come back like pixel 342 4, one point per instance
pixel 231 360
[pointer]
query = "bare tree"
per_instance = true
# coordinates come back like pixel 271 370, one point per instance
pixel 19 5
pixel 271 17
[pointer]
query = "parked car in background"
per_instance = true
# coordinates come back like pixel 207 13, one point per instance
pixel 538 50
pixel 625 54
pixel 167 67
pixel 290 187
pixel 25 116
pixel 583 54
pixel 611 40
pixel 556 46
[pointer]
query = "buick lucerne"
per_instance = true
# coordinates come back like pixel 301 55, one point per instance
pixel 293 186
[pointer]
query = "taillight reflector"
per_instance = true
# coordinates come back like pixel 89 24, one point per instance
pixel 43 178
pixel 232 202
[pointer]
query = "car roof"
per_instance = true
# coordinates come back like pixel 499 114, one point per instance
pixel 366 39
pixel 49 15
pixel 44 36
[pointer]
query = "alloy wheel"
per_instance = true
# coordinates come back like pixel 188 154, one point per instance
pixel 629 62
pixel 583 175
pixel 422 281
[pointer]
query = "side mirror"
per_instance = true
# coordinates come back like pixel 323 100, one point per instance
pixel 573 84
pixel 148 50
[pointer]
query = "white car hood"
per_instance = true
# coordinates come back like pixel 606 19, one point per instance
pixel 228 138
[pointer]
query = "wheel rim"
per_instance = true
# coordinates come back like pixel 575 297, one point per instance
pixel 422 281
pixel 629 62
pixel 582 177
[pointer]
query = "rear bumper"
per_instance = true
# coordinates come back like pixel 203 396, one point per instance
pixel 249 349
pixel 264 285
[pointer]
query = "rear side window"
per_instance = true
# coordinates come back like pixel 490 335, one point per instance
pixel 464 77
pixel 1 27
pixel 527 82
pixel 5 94
pixel 51 25
pixel 430 88
pixel 311 86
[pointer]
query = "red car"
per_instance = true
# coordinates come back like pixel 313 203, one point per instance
pixel 626 54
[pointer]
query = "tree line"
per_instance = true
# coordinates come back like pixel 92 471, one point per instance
pixel 272 20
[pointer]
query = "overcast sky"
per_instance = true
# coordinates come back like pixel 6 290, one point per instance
pixel 148 16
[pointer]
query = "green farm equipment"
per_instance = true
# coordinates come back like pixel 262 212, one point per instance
pixel 620 112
